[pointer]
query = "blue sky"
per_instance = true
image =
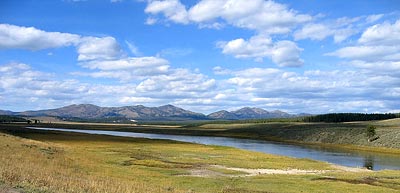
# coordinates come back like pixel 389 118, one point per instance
pixel 296 56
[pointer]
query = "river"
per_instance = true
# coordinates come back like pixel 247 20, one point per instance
pixel 373 161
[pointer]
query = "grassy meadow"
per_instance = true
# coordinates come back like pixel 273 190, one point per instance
pixel 43 161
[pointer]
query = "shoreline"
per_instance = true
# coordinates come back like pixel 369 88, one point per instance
pixel 195 131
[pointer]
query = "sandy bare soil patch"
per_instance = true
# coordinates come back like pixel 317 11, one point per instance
pixel 255 172
pixel 205 172
pixel 208 172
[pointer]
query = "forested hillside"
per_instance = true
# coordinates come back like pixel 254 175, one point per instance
pixel 348 117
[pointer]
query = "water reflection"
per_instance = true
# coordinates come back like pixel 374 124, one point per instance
pixel 369 162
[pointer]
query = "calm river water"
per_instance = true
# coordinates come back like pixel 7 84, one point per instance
pixel 342 157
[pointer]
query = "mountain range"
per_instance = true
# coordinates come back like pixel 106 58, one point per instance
pixel 140 112
pixel 248 113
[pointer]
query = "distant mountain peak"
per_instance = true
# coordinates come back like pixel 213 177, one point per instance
pixel 222 114
pixel 169 105
pixel 251 109
pixel 223 111
pixel 248 113
pixel 140 112
pixel 6 112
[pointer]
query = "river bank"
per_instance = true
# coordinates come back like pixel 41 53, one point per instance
pixel 373 161
pixel 351 136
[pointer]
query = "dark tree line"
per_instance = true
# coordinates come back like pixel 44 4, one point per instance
pixel 347 117
pixel 8 119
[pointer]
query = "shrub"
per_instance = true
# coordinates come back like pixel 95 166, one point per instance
pixel 371 132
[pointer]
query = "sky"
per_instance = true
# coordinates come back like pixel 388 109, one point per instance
pixel 303 56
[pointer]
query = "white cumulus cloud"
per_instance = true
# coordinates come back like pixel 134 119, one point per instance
pixel 266 18
pixel 30 38
pixel 314 91
pixel 376 50
pixel 340 29
pixel 126 69
pixel 127 63
pixel 173 10
pixel 381 34
pixel 95 48
pixel 263 16
pixel 284 53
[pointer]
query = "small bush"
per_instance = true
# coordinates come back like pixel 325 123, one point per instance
pixel 371 131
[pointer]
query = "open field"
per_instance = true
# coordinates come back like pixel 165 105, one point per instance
pixel 42 161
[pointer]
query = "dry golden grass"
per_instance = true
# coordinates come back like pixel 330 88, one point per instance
pixel 44 167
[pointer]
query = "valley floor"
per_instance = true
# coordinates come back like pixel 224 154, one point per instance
pixel 43 161
pixel 350 135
